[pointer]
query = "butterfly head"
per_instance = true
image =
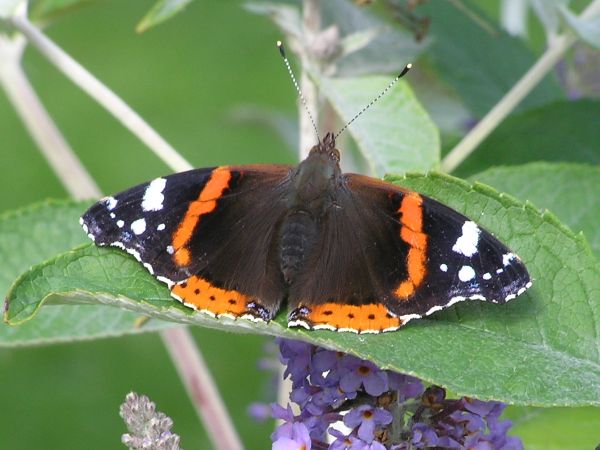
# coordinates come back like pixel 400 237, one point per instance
pixel 318 173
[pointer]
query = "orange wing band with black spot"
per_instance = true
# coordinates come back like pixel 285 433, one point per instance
pixel 369 318
pixel 199 294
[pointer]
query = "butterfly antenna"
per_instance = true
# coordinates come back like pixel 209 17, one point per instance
pixel 381 94
pixel 297 86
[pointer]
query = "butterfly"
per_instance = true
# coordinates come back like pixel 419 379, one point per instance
pixel 344 251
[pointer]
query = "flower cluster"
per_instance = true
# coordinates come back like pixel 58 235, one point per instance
pixel 347 403
pixel 148 429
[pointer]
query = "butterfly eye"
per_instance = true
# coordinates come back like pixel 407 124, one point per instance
pixel 335 154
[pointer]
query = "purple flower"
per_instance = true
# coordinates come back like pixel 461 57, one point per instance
pixel 343 442
pixel 281 413
pixel 363 373
pixel 406 386
pixel 367 419
pixel 291 436
pixel 423 436
pixel 296 356
pixel 382 409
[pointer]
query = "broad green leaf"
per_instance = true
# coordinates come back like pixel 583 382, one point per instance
pixel 481 61
pixel 556 428
pixel 396 135
pixel 541 349
pixel 67 323
pixel 33 234
pixel 568 190
pixel 161 11
pixel 562 131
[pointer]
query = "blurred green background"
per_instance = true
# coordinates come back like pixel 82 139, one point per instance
pixel 184 77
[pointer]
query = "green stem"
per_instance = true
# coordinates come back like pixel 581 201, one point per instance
pixel 101 93
pixel 76 180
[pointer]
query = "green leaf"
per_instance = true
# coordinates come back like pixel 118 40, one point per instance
pixel 541 349
pixel 562 131
pixel 481 61
pixel 67 323
pixel 556 428
pixel 568 190
pixel 161 11
pixel 33 234
pixel 396 135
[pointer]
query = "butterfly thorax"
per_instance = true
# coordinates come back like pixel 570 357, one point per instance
pixel 313 191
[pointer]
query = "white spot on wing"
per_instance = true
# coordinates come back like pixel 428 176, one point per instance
pixel 467 243
pixel 153 197
pixel 160 227
pixel 444 268
pixel 120 223
pixel 487 276
pixel 111 203
pixel 506 259
pixel 138 226
pixel 466 273
pixel 170 249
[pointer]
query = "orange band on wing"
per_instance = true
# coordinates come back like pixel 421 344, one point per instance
pixel 206 203
pixel 199 294
pixel 371 317
pixel 411 218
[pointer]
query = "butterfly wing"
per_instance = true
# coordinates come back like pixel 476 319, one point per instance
pixel 207 233
pixel 396 255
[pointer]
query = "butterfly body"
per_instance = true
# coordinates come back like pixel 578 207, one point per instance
pixel 344 251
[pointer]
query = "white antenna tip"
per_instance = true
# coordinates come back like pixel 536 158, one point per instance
pixel 279 43
pixel 409 66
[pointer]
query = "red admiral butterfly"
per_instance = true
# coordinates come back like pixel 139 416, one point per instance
pixel 346 251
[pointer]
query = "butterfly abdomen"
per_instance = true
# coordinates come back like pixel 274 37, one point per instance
pixel 298 233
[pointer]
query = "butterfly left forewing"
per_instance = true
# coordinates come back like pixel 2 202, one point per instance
pixel 205 233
